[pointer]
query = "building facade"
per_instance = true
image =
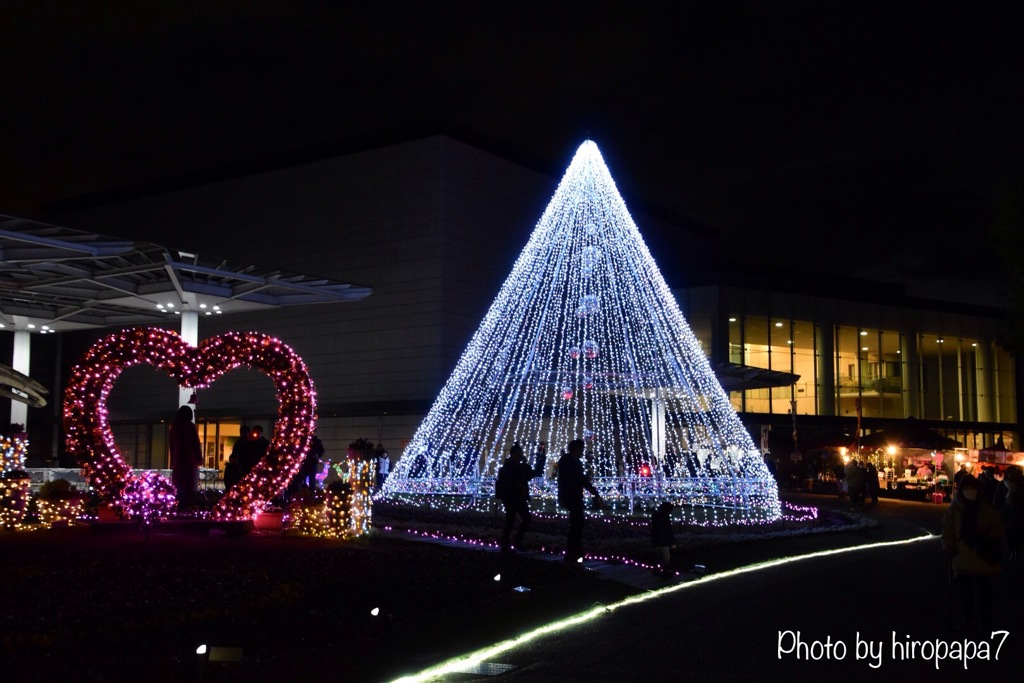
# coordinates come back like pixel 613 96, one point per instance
pixel 433 226
pixel 865 353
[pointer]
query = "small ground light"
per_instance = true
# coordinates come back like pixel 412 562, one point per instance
pixel 521 589
pixel 579 560
pixel 201 650
pixel 375 611
pixel 497 577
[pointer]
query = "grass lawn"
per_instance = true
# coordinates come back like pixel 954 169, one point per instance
pixel 123 607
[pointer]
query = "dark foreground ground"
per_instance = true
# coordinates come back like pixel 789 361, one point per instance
pixel 123 607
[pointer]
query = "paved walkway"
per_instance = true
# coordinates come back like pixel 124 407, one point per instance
pixel 891 519
pixel 728 630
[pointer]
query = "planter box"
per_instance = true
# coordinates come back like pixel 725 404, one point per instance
pixel 105 513
pixel 269 521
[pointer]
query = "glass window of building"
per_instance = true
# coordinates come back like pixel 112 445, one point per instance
pixel 802 344
pixel 756 353
pixel 780 357
pixel 881 373
pixel 848 369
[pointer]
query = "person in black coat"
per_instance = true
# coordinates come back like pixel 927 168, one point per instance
pixel 258 446
pixel 235 468
pixel 186 455
pixel 513 488
pixel 662 536
pixel 571 483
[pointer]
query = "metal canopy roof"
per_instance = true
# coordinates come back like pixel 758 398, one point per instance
pixel 55 279
pixel 736 377
pixel 22 388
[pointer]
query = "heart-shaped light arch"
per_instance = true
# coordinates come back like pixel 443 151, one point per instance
pixel 88 435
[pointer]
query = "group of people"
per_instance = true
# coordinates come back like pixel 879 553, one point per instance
pixel 512 487
pixel 982 513
pixel 250 447
pixel 187 455
pixel 860 481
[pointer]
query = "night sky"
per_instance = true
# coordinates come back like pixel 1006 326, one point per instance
pixel 869 137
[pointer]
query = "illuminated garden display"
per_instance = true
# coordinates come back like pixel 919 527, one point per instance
pixel 585 341
pixel 14 481
pixel 150 495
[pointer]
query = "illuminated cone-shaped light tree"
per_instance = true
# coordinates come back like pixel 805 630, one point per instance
pixel 585 341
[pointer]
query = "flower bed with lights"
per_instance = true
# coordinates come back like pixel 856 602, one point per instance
pixel 618 537
pixel 59 504
pixel 343 510
pixel 90 440
pixel 14 497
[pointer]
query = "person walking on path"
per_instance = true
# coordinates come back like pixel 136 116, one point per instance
pixel 513 488
pixel 855 483
pixel 871 475
pixel 1010 503
pixel 662 537
pixel 971 537
pixel 571 482
pixel 186 455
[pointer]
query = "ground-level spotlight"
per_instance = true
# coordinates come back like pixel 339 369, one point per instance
pixel 375 611
pixel 201 650
pixel 497 577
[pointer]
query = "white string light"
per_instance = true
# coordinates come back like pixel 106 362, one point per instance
pixel 585 340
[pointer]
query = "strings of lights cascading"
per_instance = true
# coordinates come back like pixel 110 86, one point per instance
pixel 585 340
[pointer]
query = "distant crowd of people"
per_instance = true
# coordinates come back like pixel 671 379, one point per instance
pixel 858 481
pixel 316 472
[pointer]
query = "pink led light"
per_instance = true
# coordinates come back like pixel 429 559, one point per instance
pixel 90 440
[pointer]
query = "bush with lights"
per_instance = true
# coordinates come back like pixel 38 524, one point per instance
pixel 91 442
pixel 14 497
pixel 15 482
pixel 342 510
pixel 59 503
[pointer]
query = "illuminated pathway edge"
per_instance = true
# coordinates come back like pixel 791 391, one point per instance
pixel 457 664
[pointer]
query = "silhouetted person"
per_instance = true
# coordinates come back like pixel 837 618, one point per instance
pixel 971 537
pixel 571 483
pixel 234 470
pixel 987 483
pixel 662 537
pixel 871 479
pixel 306 477
pixel 1011 509
pixel 513 488
pixel 840 473
pixel 855 481
pixel 258 445
pixel 960 474
pixel 186 455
